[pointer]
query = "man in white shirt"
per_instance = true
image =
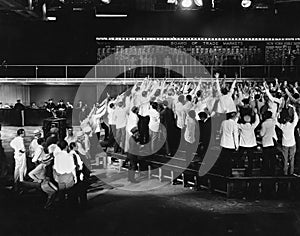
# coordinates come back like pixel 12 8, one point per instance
pixel 180 112
pixel 120 116
pixel 19 155
pixel 83 147
pixel 154 127
pixel 42 160
pixel 190 136
pixel 64 167
pixel 269 139
pixel 226 103
pixel 288 141
pixel 248 140
pixel 229 143
pixel 34 145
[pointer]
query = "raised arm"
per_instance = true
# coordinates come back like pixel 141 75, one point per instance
pixel 232 87
pixel 291 96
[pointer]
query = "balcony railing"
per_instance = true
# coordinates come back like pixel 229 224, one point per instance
pixel 106 72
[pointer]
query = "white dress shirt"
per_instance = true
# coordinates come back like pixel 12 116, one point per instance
pixel 229 134
pixel 154 120
pixel 64 163
pixel 288 131
pixel 39 154
pixel 180 114
pixel 268 132
pixel 247 134
pixel 18 145
pixel 33 147
pixel 120 117
pixel 189 134
pixel 226 104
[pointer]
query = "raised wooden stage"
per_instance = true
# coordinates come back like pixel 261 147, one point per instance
pixel 174 169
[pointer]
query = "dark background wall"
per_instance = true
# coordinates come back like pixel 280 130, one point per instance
pixel 71 40
pixel 71 93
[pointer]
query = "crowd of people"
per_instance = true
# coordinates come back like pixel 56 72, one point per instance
pixel 165 116
pixel 56 165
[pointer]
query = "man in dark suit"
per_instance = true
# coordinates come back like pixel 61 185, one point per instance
pixel 51 107
pixel 19 108
pixel 61 109
pixel 205 133
pixel 132 154
pixel 167 119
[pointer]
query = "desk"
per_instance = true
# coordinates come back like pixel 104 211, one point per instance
pixel 32 117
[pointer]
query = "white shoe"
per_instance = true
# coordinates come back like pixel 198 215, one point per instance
pixel 296 175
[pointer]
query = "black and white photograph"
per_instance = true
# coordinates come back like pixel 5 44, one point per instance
pixel 150 117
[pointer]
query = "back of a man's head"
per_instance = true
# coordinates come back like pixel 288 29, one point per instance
pixel 62 144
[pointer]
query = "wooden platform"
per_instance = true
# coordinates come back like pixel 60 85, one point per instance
pixel 167 168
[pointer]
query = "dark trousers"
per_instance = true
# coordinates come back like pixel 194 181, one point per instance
pixel 112 133
pixel 269 161
pixel 144 129
pixel 225 161
pixel 133 159
pixel 249 152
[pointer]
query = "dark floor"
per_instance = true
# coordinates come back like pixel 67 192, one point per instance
pixel 168 210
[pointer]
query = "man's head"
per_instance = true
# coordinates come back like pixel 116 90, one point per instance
pixel 192 114
pixel 247 119
pixel 154 105
pixel 199 93
pixel 181 98
pixel 21 132
pixel 135 110
pixel 18 100
pixel 224 90
pixel 41 141
pixel 37 133
pixel 144 93
pixel 73 146
pixel 120 104
pixel 70 131
pixel 189 98
pixel 111 105
pixel 202 115
pixel 165 103
pixel 62 145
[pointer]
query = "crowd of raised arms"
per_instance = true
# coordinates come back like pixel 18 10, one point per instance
pixel 164 117
pixel 191 116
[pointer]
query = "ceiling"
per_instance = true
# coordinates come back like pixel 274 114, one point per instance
pixel 33 11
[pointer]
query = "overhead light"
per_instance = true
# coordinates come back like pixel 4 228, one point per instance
pixel 111 15
pixel 199 3
pixel 106 1
pixel 246 3
pixel 186 3
pixel 51 18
